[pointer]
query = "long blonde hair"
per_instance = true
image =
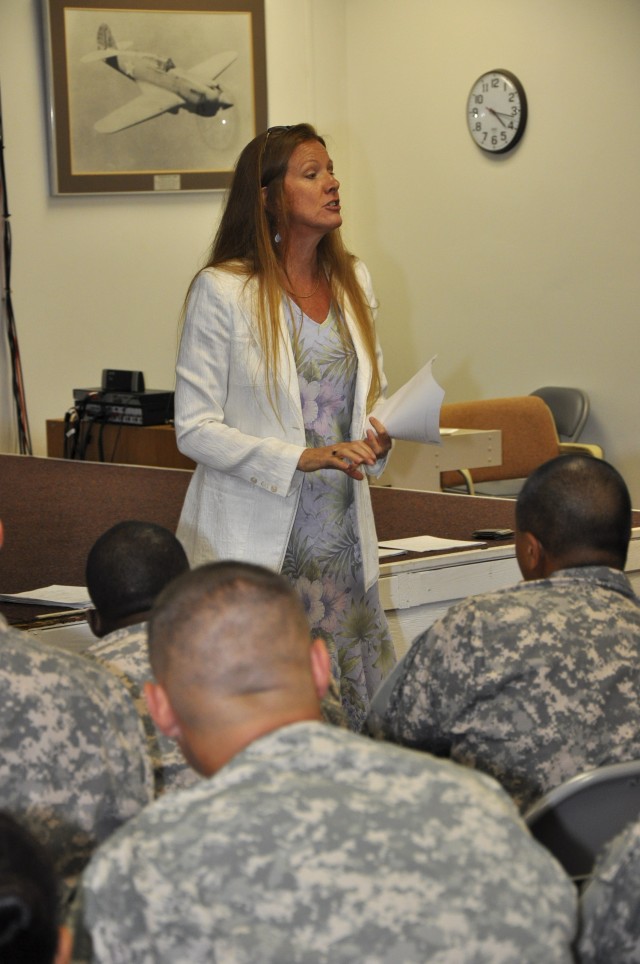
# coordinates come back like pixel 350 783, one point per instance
pixel 244 244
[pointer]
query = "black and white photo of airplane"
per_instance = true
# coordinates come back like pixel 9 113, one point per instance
pixel 162 86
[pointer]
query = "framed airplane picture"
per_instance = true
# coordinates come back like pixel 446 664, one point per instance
pixel 152 95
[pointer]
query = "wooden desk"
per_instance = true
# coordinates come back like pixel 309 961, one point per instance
pixel 123 444
pixel 54 509
pixel 416 466
pixel 415 590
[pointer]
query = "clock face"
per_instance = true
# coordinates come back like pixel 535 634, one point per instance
pixel 497 111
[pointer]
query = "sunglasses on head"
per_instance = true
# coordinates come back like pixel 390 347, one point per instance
pixel 278 129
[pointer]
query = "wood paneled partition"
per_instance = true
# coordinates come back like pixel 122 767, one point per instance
pixel 53 510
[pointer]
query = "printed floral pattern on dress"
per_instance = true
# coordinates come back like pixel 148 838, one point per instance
pixel 324 558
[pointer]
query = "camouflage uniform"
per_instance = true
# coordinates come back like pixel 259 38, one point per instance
pixel 73 765
pixel 531 684
pixel 125 653
pixel 610 905
pixel 317 844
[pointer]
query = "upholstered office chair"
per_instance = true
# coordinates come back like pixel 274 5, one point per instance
pixel 529 438
pixel 569 407
pixel 577 819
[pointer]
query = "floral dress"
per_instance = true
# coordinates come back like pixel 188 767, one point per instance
pixel 323 559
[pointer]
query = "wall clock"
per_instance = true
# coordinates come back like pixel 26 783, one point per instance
pixel 497 111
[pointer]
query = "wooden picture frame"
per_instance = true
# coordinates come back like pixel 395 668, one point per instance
pixel 152 95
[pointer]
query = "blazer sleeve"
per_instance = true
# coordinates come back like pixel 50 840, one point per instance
pixel 223 417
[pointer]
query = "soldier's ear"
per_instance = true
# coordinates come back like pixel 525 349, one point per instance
pixel 95 623
pixel 161 710
pixel 320 666
pixel 65 942
pixel 530 555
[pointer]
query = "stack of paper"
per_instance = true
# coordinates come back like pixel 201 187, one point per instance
pixel 413 412
pixel 423 544
pixel 67 597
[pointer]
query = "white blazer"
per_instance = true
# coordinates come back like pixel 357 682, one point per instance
pixel 242 499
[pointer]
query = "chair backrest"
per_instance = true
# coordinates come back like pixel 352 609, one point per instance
pixel 569 407
pixel 529 435
pixel 577 819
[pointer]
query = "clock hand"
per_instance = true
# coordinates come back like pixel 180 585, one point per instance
pixel 496 114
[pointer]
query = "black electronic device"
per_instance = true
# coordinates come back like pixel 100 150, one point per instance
pixel 152 407
pixel 118 380
pixel 493 534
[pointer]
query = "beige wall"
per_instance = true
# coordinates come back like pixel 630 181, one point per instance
pixel 518 272
pixel 98 282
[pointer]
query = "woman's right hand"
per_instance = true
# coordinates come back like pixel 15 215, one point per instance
pixel 343 456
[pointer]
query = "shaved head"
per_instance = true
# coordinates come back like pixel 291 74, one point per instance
pixel 578 507
pixel 228 631
pixel 129 565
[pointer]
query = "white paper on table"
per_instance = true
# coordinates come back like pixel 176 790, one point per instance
pixel 383 552
pixel 69 597
pixel 426 544
pixel 413 412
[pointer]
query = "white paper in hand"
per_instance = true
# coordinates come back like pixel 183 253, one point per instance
pixel 413 412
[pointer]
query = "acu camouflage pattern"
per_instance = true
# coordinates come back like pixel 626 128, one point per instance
pixel 317 844
pixel 125 653
pixel 610 905
pixel 531 684
pixel 73 765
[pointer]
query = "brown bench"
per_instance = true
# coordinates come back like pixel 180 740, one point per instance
pixel 53 510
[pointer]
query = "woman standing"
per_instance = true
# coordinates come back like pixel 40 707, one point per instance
pixel 278 366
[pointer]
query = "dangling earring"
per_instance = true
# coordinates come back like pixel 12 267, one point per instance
pixel 277 237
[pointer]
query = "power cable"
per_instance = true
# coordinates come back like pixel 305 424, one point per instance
pixel 17 379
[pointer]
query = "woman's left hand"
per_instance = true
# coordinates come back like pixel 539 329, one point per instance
pixel 379 442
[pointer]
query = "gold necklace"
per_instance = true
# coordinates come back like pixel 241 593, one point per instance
pixel 311 293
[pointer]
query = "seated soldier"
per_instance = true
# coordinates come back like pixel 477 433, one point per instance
pixel 126 569
pixel 537 682
pixel 74 763
pixel 30 929
pixel 609 904
pixel 306 841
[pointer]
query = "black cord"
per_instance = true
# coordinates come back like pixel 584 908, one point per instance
pixel 17 379
pixel 116 440
pixel 101 440
pixel 84 436
pixel 70 429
